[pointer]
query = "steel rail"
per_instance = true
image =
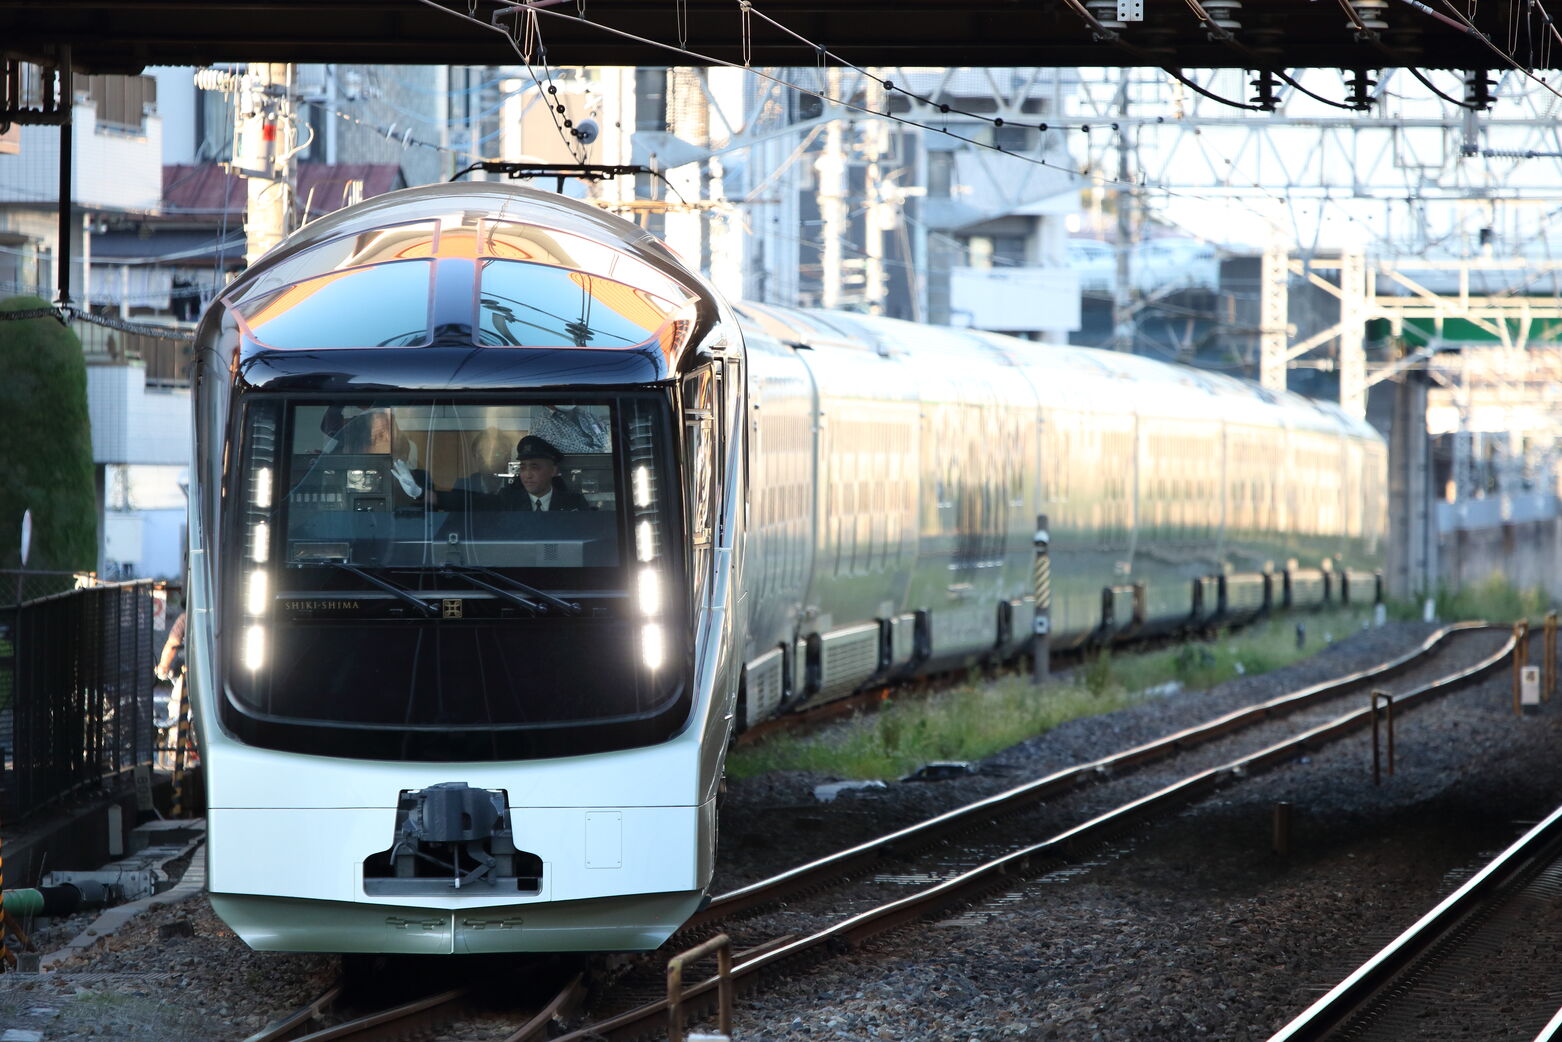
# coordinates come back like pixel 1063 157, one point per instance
pixel 292 1026
pixel 970 886
pixel 396 1021
pixel 864 856
pixel 566 1000
pixel 1553 1029
pixel 1334 1009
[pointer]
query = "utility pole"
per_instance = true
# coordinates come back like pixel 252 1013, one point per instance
pixel 1123 325
pixel 1274 317
pixel 1412 535
pixel 1355 289
pixel 881 218
pixel 831 170
pixel 263 154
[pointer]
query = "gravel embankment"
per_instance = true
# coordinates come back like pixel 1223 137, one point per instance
pixel 1196 929
pixel 1193 930
pixel 176 973
pixel 775 820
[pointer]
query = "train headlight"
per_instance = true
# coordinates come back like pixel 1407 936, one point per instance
pixel 260 542
pixel 263 488
pixel 650 591
pixel 255 600
pixel 645 541
pixel 651 645
pixel 254 647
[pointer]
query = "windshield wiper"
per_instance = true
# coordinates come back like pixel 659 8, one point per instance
pixel 513 598
pixel 466 570
pixel 389 587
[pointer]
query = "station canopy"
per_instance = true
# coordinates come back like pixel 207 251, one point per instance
pixel 124 36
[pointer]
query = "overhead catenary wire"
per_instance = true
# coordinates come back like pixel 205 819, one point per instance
pixel 1140 183
pixel 533 35
pixel 1092 175
pixel 1096 25
pixel 844 103
pixel 1508 59
pixel 1225 36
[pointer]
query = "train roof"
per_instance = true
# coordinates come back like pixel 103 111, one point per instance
pixel 454 267
pixel 455 204
pixel 1145 385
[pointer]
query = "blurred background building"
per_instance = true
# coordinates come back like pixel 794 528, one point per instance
pixel 1057 205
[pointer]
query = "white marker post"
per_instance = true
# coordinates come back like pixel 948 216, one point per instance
pixel 27 545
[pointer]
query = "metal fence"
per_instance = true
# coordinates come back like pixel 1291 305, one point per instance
pixel 76 691
pixel 18 585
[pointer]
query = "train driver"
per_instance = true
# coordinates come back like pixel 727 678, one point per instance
pixel 537 484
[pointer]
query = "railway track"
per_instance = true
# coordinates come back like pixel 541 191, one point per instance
pixel 782 954
pixel 870 856
pixel 428 1014
pixel 755 959
pixel 1479 965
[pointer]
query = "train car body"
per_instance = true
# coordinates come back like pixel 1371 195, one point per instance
pixel 907 545
pixel 436 719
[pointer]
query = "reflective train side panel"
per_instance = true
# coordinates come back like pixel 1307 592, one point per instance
pixel 937 450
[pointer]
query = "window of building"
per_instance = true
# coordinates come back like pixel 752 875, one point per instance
pixel 651 100
pixel 940 174
pixel 1014 139
pixel 122 101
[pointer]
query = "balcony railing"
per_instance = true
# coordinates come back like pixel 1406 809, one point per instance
pixel 167 361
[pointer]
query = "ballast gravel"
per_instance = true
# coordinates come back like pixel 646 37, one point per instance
pixel 1194 929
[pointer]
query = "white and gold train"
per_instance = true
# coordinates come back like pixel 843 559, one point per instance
pixel 502 523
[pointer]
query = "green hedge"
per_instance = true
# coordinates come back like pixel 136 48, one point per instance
pixel 45 443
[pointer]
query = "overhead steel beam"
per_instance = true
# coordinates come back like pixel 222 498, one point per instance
pixel 123 35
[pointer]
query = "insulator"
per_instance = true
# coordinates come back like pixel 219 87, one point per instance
pixel 1264 91
pixel 217 79
pixel 1478 88
pixel 1223 15
pixel 1360 84
pixel 1372 14
pixel 1105 12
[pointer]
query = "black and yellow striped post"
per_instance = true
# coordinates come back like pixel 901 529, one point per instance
pixel 1041 581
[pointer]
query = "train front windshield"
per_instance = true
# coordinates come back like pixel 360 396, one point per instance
pixel 454 579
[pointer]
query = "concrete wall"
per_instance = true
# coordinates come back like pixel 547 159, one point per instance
pixel 132 424
pixel 1525 553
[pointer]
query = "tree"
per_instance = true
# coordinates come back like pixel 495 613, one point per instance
pixel 45 443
